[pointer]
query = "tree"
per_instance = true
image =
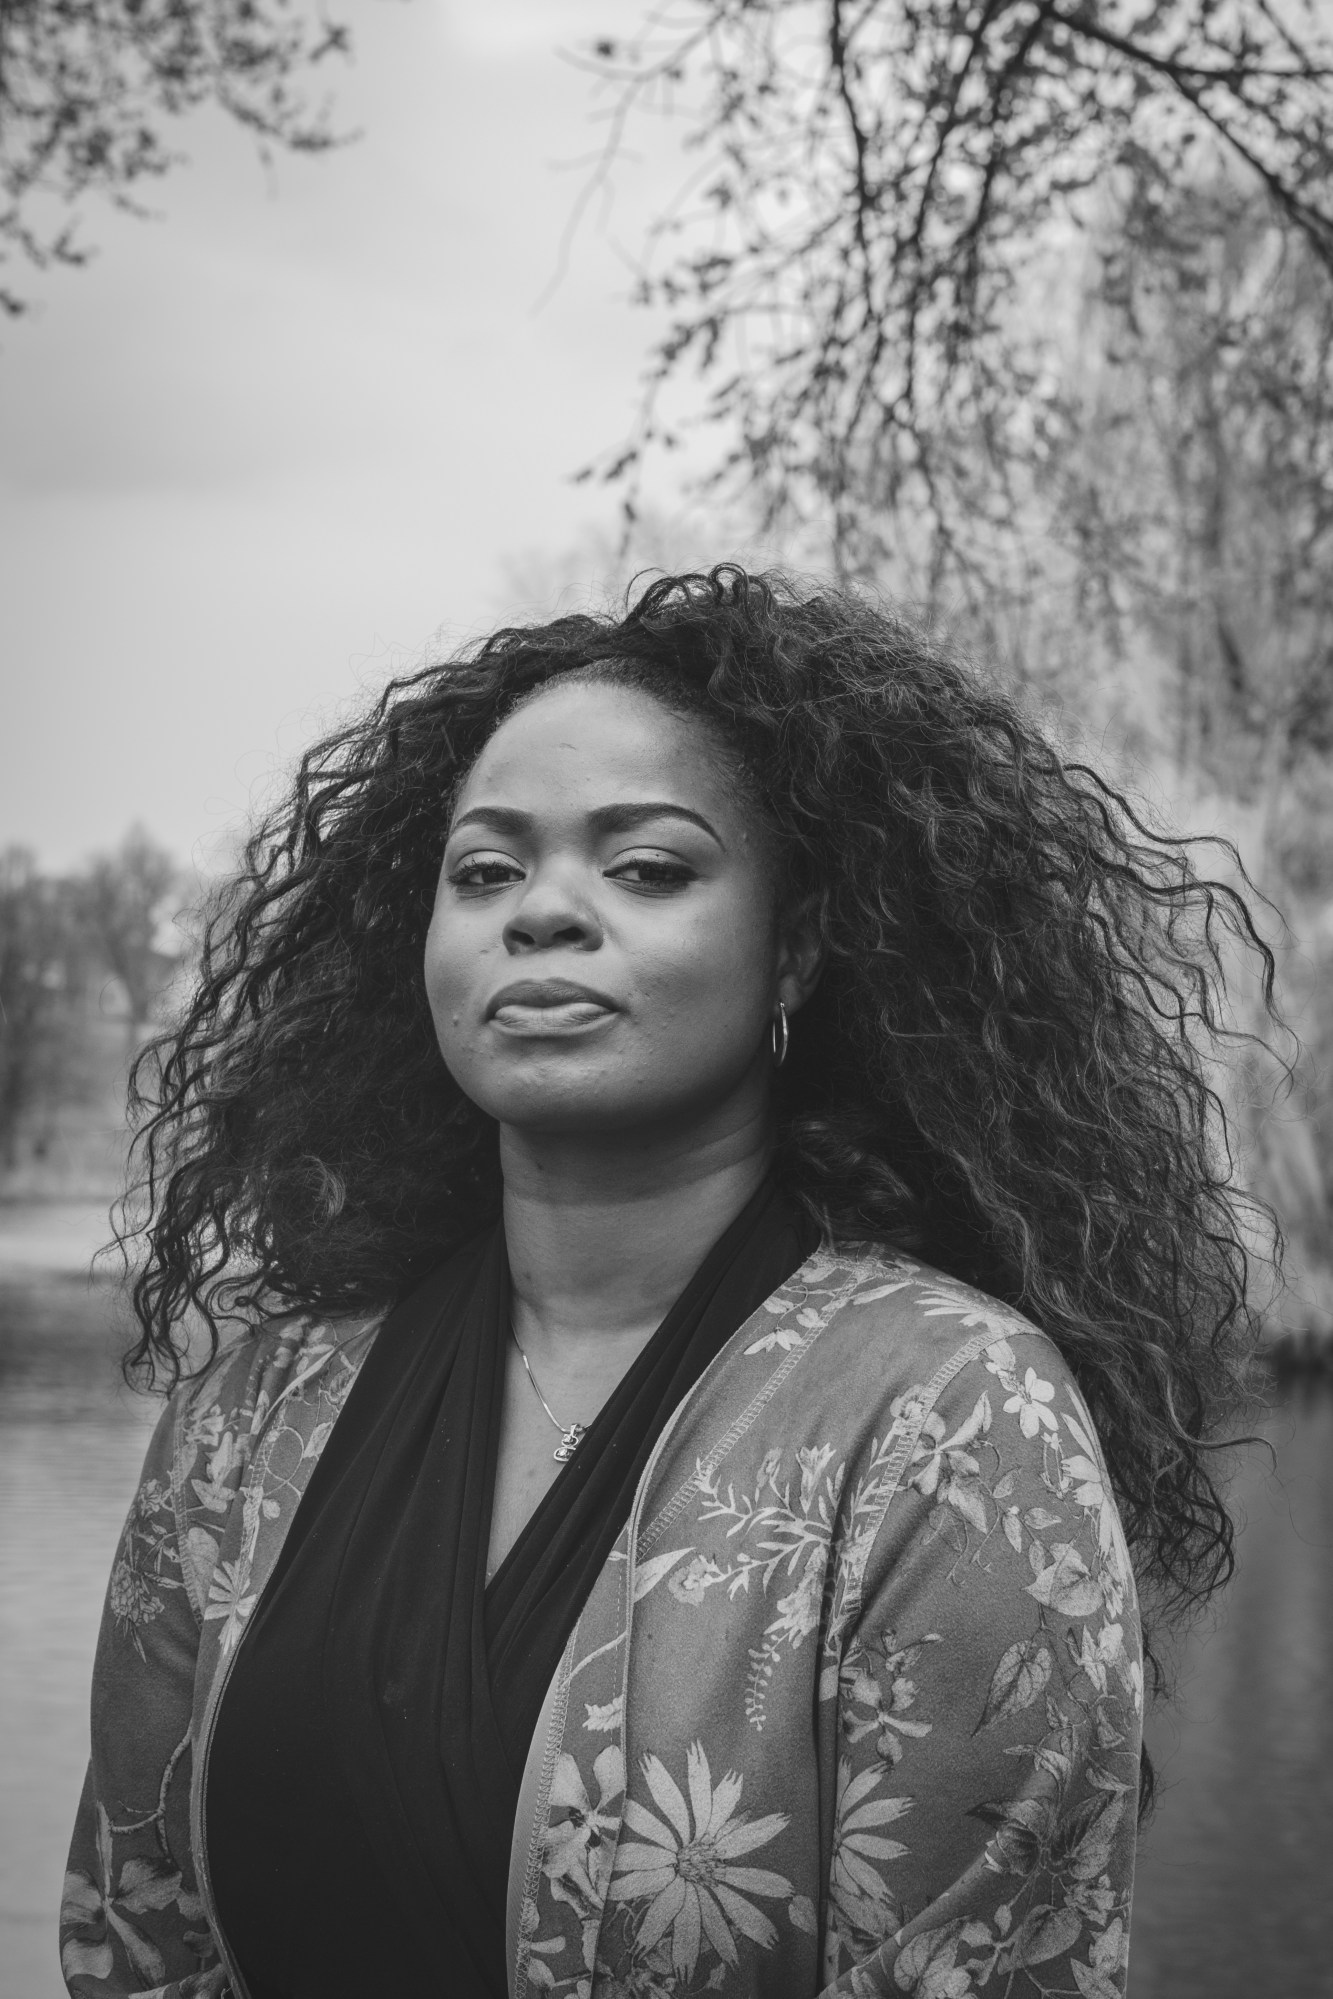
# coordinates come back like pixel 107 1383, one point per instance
pixel 42 971
pixel 1192 505
pixel 1027 306
pixel 884 186
pixel 124 901
pixel 60 936
pixel 1193 490
pixel 89 87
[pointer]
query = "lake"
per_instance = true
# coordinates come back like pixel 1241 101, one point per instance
pixel 1235 1890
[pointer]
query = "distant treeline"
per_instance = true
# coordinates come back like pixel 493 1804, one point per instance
pixel 85 959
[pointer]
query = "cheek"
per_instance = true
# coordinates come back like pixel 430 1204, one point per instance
pixel 450 968
pixel 438 960
pixel 714 973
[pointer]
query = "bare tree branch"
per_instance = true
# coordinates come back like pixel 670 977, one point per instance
pixel 89 90
pixel 857 291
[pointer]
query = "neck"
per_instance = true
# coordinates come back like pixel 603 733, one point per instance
pixel 602 1240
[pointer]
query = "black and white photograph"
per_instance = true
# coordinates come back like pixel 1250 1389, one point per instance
pixel 666 999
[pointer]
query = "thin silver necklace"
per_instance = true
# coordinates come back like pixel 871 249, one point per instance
pixel 570 1438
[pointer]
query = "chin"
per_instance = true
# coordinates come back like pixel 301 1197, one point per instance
pixel 588 1111
pixel 568 1112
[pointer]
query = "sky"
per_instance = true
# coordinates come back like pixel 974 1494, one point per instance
pixel 310 421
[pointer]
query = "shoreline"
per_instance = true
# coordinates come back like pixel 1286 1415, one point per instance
pixel 56 1237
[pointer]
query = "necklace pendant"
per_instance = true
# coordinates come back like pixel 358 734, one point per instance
pixel 569 1443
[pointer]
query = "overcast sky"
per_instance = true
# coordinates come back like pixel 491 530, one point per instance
pixel 269 444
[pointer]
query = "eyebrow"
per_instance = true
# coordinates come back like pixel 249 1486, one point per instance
pixel 603 818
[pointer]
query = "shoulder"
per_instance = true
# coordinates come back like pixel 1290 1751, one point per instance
pixel 271 1358
pixel 910 1353
pixel 299 1365
pixel 986 1426
pixel 908 1323
pixel 283 1380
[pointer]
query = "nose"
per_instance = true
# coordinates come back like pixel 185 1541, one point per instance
pixel 551 912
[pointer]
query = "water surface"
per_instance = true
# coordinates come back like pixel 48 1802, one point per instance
pixel 71 1441
pixel 1235 1892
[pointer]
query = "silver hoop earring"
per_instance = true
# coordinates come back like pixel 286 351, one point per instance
pixel 779 1035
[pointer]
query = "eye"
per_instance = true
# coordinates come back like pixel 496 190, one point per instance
pixel 650 875
pixel 478 872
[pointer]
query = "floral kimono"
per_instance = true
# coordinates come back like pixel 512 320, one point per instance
pixel 853 1707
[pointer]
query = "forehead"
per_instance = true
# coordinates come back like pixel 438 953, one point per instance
pixel 596 744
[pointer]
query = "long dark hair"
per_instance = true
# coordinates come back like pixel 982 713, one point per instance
pixel 1000 1070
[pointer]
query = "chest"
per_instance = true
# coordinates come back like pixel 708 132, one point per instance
pixel 537 1413
pixel 526 1466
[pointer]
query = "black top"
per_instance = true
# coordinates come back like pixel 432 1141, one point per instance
pixel 365 1767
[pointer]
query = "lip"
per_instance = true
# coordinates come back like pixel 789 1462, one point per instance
pixel 542 995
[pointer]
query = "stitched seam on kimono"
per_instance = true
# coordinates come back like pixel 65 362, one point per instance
pixel 532 1870
pixel 689 1487
pixel 196 1584
pixel 705 1467
pixel 901 1457
pixel 222 1673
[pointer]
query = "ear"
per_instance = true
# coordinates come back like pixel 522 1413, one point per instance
pixel 802 951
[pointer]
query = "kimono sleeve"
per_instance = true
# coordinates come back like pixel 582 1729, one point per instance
pixel 131 1919
pixel 990 1703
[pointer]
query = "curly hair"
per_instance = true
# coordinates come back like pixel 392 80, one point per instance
pixel 1000 1071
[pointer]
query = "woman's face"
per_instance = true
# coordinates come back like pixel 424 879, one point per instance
pixel 606 950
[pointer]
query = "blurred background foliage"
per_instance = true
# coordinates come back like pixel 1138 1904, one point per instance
pixel 88 962
pixel 1024 313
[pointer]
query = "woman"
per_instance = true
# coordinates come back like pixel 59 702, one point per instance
pixel 650 1532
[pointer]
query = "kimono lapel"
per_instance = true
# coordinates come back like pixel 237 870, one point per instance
pixel 256 1441
pixel 572 1801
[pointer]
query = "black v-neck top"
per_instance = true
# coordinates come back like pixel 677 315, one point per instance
pixel 364 1770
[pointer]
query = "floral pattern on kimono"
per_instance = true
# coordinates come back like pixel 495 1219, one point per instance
pixel 958 1599
pixel 854 1705
pixel 230 1455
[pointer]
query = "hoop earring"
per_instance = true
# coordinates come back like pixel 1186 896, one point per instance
pixel 779 1036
